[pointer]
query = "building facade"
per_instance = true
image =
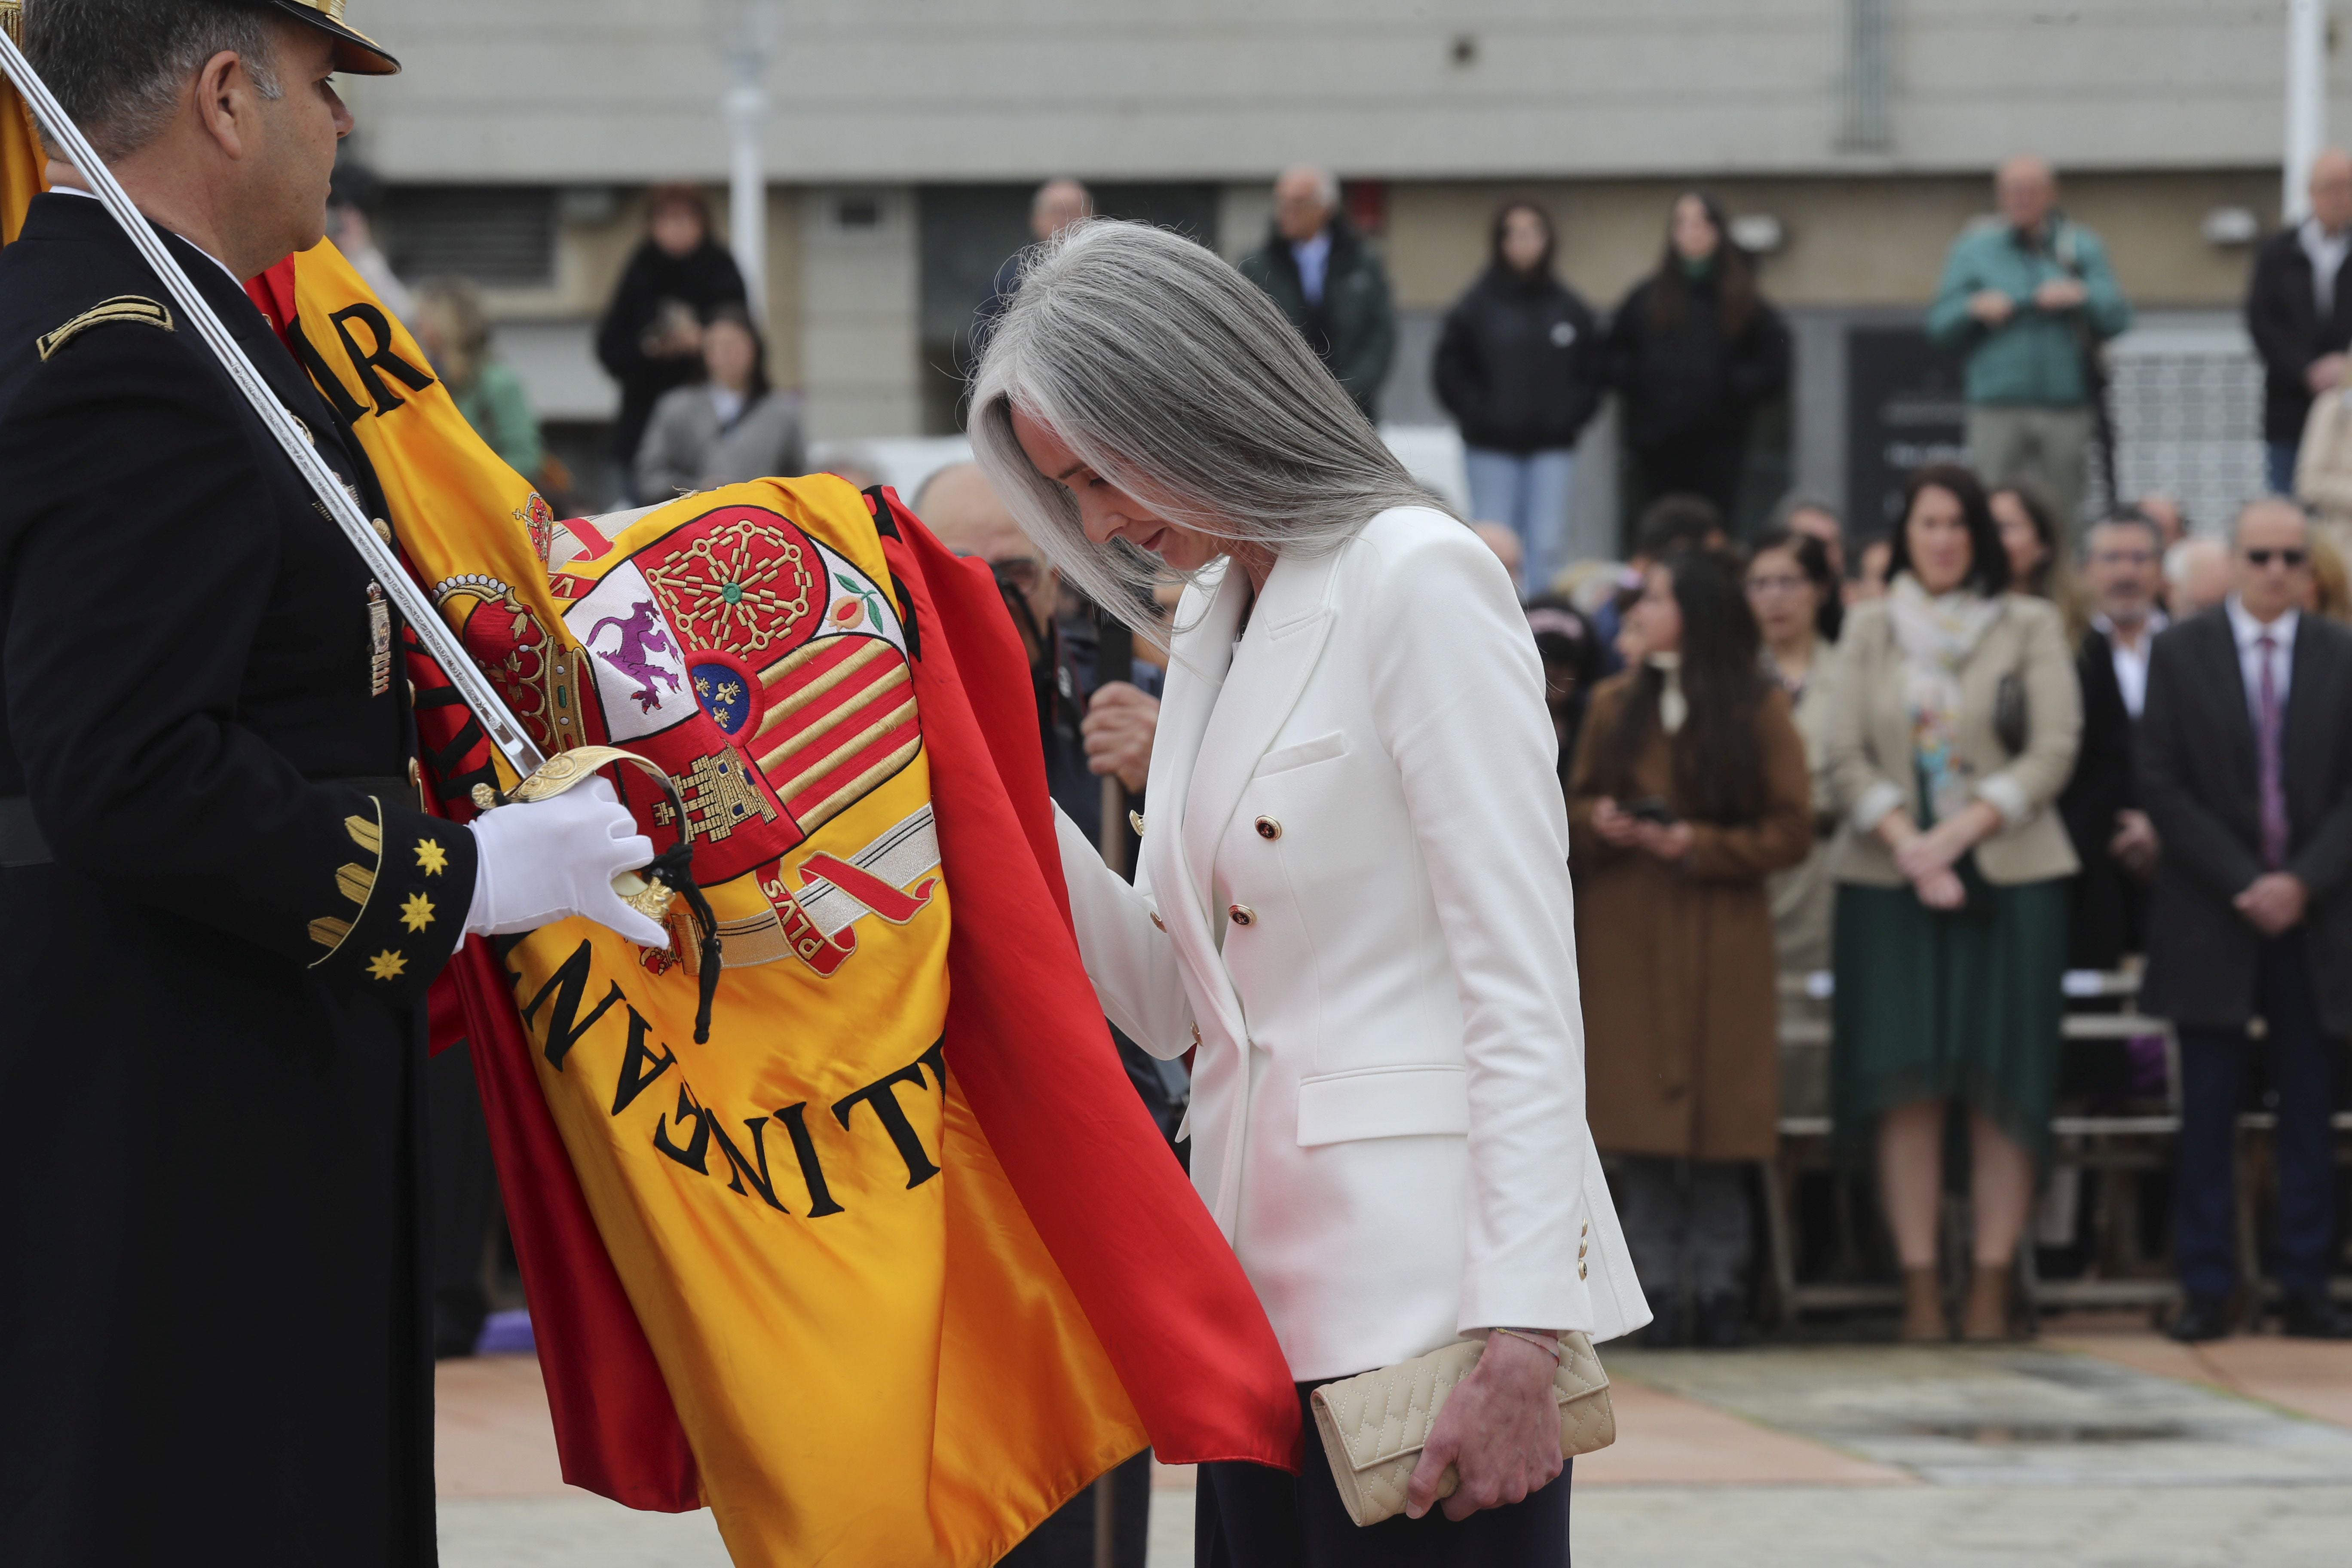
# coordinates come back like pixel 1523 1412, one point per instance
pixel 1851 139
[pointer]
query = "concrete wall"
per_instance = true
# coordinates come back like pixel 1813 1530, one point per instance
pixel 563 90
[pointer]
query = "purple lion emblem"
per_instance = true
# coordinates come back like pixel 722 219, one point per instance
pixel 641 638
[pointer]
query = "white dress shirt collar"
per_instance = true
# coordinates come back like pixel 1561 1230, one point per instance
pixel 2131 659
pixel 2326 252
pixel 2248 633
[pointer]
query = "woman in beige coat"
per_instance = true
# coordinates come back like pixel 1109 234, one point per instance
pixel 1953 716
pixel 1690 787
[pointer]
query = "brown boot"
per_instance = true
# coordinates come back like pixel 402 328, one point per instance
pixel 1985 1320
pixel 1923 1309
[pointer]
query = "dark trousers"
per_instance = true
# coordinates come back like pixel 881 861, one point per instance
pixel 464 1184
pixel 1067 1538
pixel 2304 1063
pixel 1247 1516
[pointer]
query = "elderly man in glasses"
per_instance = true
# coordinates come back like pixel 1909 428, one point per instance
pixel 2245 767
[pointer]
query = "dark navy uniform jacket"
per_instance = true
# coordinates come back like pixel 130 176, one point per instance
pixel 212 1327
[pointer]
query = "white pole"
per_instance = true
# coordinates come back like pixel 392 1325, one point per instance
pixel 747 196
pixel 2306 101
pixel 739 32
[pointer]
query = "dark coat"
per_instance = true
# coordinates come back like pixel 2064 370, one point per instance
pixel 1521 363
pixel 701 280
pixel 1354 328
pixel 210 1064
pixel 2196 777
pixel 2109 902
pixel 2283 315
pixel 1693 381
pixel 1681 1019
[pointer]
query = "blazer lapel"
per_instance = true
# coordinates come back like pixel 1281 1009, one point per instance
pixel 2227 690
pixel 1270 669
pixel 1201 652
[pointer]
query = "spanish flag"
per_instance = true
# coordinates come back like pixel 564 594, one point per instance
pixel 896 1263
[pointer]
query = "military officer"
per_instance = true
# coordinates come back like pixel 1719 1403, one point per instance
pixel 220 904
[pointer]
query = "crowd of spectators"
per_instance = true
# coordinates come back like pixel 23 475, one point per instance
pixel 1937 766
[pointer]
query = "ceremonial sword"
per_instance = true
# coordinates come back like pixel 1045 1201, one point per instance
pixel 541 777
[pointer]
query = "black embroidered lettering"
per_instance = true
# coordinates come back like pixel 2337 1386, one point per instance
pixel 565 1025
pixel 796 1120
pixel 893 1117
pixel 695 1156
pixel 381 358
pixel 639 1066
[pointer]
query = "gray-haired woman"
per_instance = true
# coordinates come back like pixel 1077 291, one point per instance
pixel 1335 903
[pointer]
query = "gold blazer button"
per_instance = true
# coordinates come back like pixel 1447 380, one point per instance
pixel 1268 827
pixel 1135 820
pixel 1158 922
pixel 1242 915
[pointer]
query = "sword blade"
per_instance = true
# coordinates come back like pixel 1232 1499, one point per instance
pixel 498 721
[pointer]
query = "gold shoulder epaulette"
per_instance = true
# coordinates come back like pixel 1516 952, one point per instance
pixel 121 307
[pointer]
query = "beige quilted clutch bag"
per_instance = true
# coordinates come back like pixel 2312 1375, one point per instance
pixel 1375 1424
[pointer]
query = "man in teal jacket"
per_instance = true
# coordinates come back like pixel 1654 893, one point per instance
pixel 2028 296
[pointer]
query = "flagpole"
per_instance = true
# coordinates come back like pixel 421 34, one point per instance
pixel 498 721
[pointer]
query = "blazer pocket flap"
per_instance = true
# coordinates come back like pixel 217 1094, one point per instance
pixel 1382 1102
pixel 1321 748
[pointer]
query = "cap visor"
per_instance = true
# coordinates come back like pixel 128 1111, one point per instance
pixel 356 54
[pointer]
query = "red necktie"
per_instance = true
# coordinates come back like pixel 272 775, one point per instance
pixel 2273 771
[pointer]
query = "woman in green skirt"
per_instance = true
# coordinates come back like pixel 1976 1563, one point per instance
pixel 1949 726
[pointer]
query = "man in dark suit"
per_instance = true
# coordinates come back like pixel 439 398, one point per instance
pixel 2300 312
pixel 220 902
pixel 2245 764
pixel 2123 562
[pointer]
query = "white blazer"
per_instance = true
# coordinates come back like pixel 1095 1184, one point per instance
pixel 1353 895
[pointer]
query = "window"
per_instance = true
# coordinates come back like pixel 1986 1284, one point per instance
pixel 499 236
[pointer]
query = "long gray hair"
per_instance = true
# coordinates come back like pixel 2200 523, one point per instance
pixel 1175 379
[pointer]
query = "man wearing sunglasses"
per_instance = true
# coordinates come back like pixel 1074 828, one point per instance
pixel 2246 766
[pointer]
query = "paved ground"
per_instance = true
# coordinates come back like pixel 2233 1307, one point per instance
pixel 2088 1450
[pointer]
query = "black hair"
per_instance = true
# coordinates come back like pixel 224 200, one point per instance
pixel 734 312
pixel 1735 274
pixel 1718 764
pixel 2132 517
pixel 1502 223
pixel 1567 643
pixel 1673 522
pixel 117 66
pixel 1988 561
pixel 354 184
pixel 1812 558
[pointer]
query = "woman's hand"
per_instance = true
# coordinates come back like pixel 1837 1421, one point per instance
pixel 1117 730
pixel 1499 1429
pixel 1941 889
pixel 1940 848
pixel 1669 841
pixel 1615 827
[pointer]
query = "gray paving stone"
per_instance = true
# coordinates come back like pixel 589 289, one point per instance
pixel 578 1530
pixel 1961 1527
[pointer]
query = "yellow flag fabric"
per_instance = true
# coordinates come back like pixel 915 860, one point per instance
pixel 873 1356
pixel 21 158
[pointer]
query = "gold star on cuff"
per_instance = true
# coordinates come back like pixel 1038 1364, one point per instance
pixel 432 856
pixel 417 912
pixel 387 965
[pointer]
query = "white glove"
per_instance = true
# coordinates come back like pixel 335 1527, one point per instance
pixel 551 859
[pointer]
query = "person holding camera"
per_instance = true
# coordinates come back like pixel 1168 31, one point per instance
pixel 1690 787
